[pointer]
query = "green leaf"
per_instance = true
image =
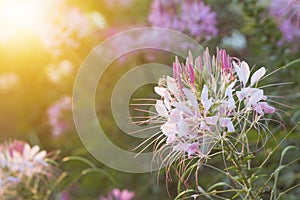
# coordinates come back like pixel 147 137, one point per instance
pixel 286 149
pixel 204 193
pixel 78 158
pixel 248 157
pixel 278 169
pixel 100 171
pixel 238 195
pixel 184 192
pixel 218 185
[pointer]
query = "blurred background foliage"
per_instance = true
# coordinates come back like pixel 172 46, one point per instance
pixel 38 68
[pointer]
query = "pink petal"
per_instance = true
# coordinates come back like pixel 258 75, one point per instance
pixel 267 108
pixel 211 120
pixel 258 109
pixel 198 63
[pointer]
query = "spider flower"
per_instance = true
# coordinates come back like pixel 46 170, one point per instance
pixel 193 17
pixel 206 101
pixel 18 162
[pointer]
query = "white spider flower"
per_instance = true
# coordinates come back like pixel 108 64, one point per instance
pixel 18 161
pixel 207 100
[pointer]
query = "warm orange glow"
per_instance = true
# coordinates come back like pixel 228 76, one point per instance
pixel 17 17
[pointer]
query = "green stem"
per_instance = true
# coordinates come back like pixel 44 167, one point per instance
pixel 240 170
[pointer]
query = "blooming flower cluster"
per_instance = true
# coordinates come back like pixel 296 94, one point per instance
pixel 56 113
pixel 117 194
pixel 206 101
pixel 192 17
pixel 287 15
pixel 19 161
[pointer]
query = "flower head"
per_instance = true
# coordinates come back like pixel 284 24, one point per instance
pixel 207 100
pixel 20 161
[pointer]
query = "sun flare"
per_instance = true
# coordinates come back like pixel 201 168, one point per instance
pixel 20 16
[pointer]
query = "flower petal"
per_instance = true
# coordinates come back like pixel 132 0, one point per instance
pixel 257 75
pixel 246 72
pixel 161 109
pixel 242 71
pixel 255 97
pixel 172 85
pixel 192 98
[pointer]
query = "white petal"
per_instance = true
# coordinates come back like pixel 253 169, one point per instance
pixel 246 72
pixel 175 115
pixel 191 97
pixel 183 108
pixel 224 121
pixel 161 109
pixel 211 120
pixel 204 99
pixel 242 71
pixel 204 94
pixel 256 97
pixel 40 157
pixel 230 127
pixel 231 103
pixel 242 94
pixel 172 85
pixel 182 128
pixel 34 150
pixel 203 126
pixel 257 75
pixel 168 128
pixel 160 91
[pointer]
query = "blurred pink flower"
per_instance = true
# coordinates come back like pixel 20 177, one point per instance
pixel 63 26
pixel 287 16
pixel 117 194
pixel 55 115
pixel 189 16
